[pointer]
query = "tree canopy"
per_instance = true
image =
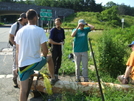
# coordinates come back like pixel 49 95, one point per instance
pixel 79 5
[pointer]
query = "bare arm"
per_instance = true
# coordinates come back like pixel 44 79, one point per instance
pixel 74 32
pixel 91 26
pixel 44 49
pixel 17 52
pixel 11 38
pixel 55 43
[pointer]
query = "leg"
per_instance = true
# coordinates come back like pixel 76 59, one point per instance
pixel 127 72
pixel 126 76
pixel 54 57
pixel 85 66
pixel 50 66
pixel 77 59
pixel 15 75
pixel 51 70
pixel 23 90
pixel 29 85
pixel 58 61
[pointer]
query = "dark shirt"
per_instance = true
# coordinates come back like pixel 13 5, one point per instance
pixel 57 35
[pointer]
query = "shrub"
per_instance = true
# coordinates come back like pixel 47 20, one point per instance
pixel 111 54
pixel 1 23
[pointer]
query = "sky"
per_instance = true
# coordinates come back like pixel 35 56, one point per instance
pixel 126 2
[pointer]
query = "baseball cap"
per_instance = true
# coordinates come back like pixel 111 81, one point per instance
pixel 131 44
pixel 22 15
pixel 82 22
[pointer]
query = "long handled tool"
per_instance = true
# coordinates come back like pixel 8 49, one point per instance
pixel 96 71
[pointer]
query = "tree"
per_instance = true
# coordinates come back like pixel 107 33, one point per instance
pixel 110 15
pixel 125 10
pixel 99 8
pixel 110 4
pixel 92 5
pixel 6 0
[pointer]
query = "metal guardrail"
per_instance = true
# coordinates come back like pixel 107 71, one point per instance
pixel 69 29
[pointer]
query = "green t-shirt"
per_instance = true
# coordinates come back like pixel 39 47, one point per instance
pixel 80 40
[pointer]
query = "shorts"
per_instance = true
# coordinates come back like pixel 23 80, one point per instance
pixel 26 71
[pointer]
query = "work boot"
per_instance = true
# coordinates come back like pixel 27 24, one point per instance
pixel 15 83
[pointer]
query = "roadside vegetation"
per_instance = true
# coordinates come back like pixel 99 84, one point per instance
pixel 107 19
pixel 111 53
pixel 110 47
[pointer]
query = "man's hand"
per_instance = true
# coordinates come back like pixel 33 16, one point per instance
pixel 16 71
pixel 11 38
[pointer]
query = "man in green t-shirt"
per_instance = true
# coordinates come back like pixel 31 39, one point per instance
pixel 80 48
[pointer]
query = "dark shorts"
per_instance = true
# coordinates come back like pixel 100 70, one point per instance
pixel 26 71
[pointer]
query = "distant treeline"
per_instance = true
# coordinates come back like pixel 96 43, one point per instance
pixel 79 5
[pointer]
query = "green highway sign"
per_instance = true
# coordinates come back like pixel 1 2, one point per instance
pixel 43 10
pixel 45 14
pixel 49 15
pixel 48 10
pixel 43 18
pixel 48 19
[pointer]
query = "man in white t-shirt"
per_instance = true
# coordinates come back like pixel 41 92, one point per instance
pixel 30 42
pixel 13 30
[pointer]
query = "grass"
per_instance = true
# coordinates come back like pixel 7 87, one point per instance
pixel 92 18
pixel 68 68
pixel 1 23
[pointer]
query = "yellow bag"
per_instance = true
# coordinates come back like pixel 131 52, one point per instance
pixel 47 84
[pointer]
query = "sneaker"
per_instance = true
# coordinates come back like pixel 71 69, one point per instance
pixel 122 79
pixel 77 80
pixel 56 77
pixel 53 81
pixel 15 83
pixel 125 81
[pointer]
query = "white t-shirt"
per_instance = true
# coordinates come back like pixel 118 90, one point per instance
pixel 14 27
pixel 29 38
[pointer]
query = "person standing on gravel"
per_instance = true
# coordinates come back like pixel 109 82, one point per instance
pixel 80 48
pixel 22 20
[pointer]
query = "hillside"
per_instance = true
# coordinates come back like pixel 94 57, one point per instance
pixel 93 18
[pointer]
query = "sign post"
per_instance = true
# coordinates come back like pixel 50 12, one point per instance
pixel 122 20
